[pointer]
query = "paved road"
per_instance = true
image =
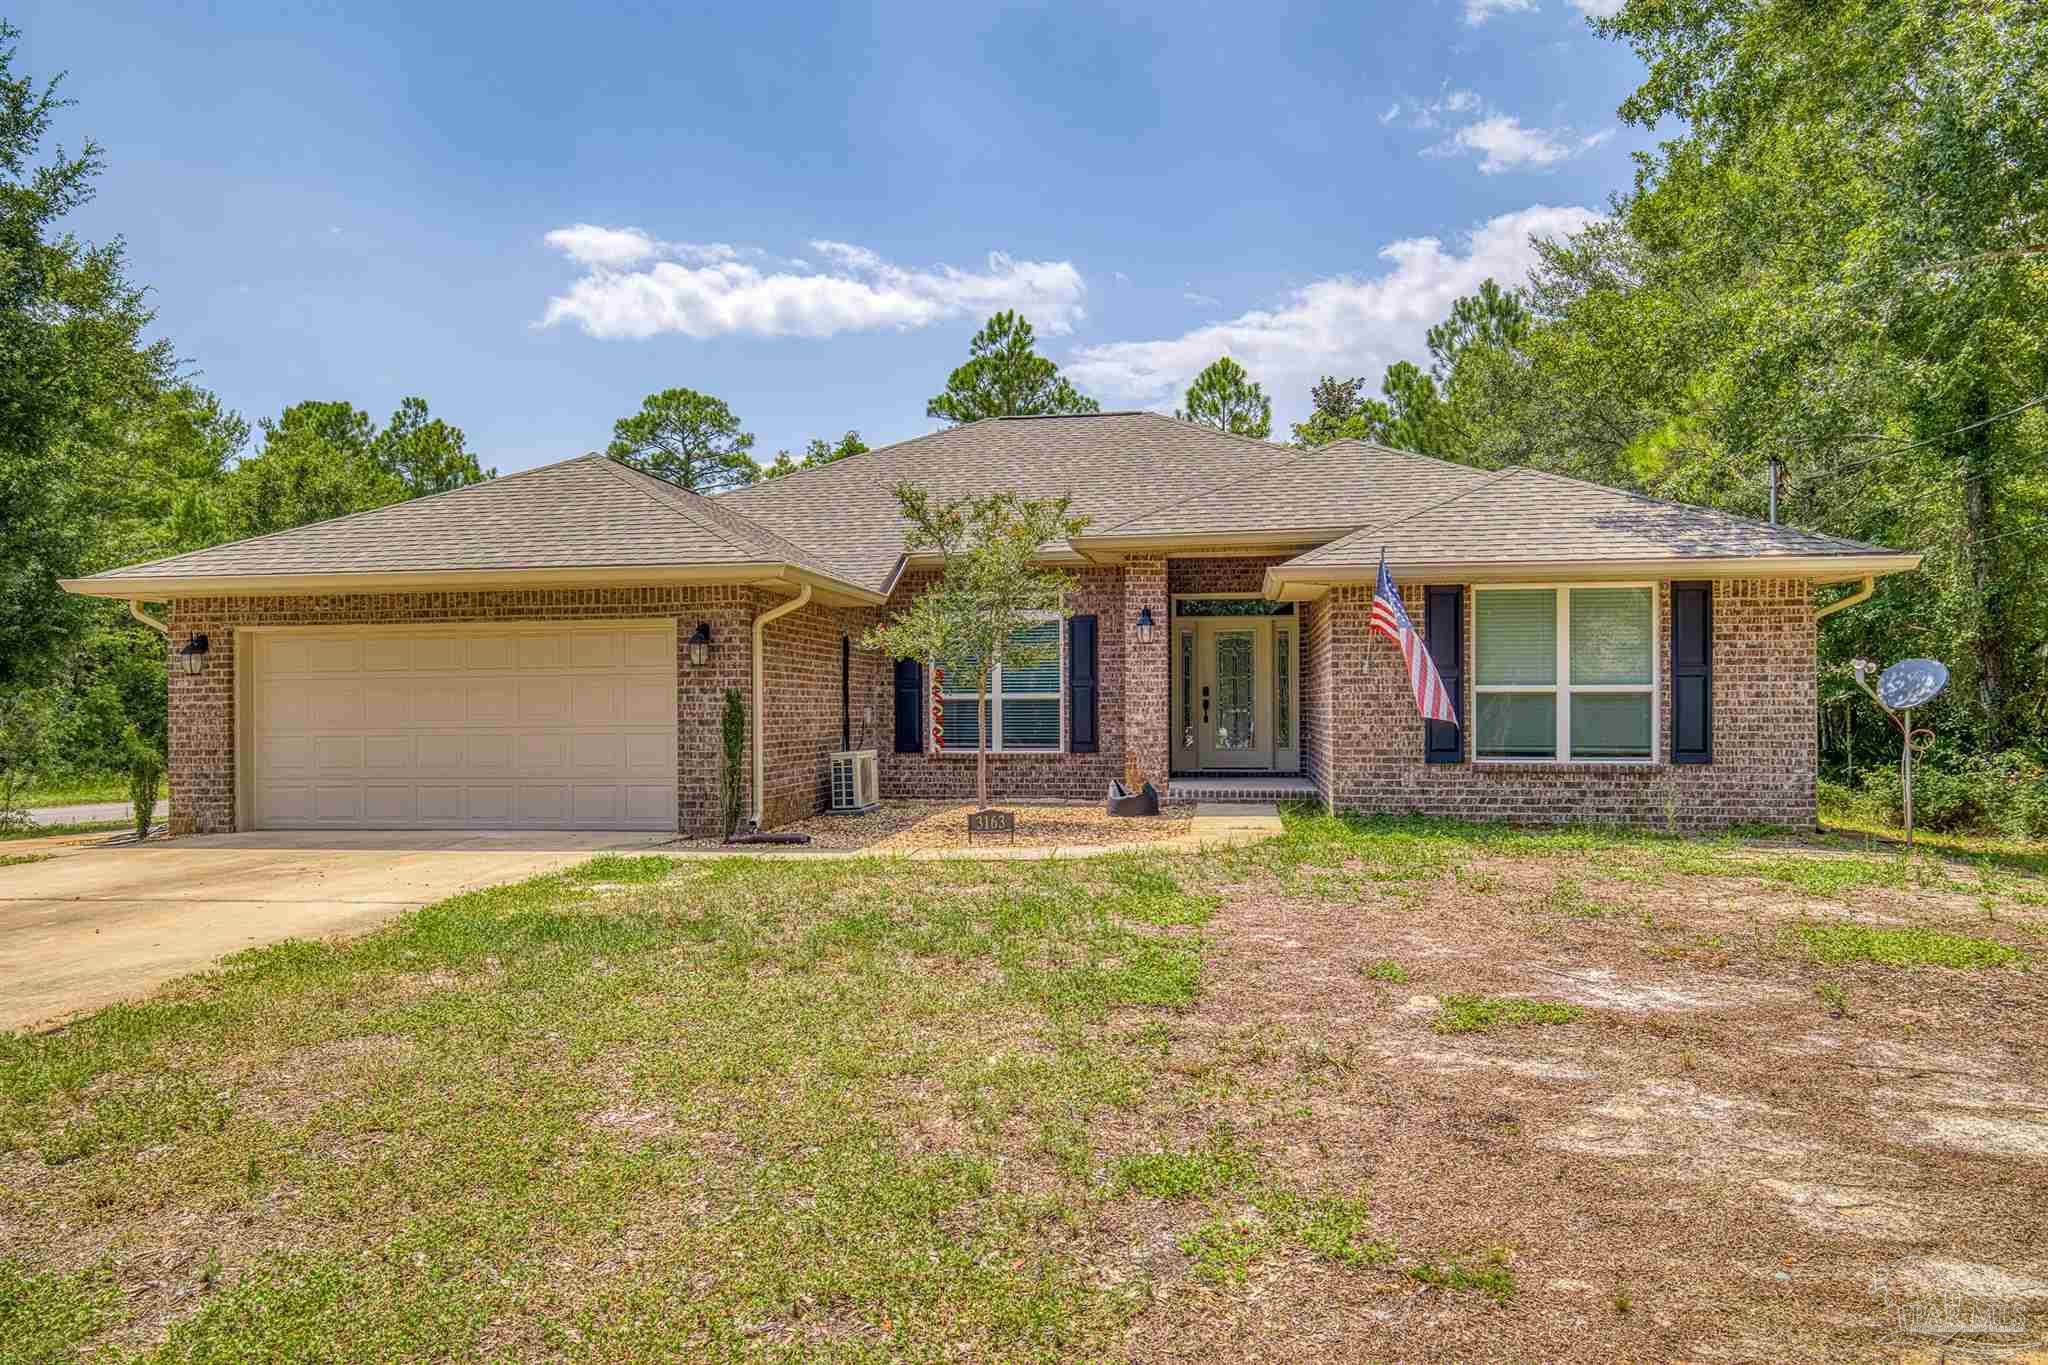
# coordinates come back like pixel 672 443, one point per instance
pixel 93 925
pixel 79 815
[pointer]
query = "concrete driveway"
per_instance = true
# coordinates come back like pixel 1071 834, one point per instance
pixel 93 924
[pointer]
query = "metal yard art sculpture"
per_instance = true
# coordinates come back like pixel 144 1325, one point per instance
pixel 1905 685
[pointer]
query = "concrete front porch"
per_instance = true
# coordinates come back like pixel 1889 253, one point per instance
pixel 1243 787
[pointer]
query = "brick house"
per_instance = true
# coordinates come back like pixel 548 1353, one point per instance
pixel 551 649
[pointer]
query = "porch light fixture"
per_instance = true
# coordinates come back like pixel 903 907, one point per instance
pixel 700 644
pixel 192 655
pixel 1144 625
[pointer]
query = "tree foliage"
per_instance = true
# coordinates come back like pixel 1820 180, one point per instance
pixel 1006 377
pixel 817 451
pixel 1841 260
pixel 990 586
pixel 689 438
pixel 1223 396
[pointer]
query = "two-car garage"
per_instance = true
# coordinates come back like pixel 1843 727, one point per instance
pixel 533 725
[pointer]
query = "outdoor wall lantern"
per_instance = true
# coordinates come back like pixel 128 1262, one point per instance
pixel 192 655
pixel 1144 625
pixel 700 644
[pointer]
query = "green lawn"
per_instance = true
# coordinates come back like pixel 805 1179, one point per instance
pixel 864 1111
pixel 65 827
pixel 80 791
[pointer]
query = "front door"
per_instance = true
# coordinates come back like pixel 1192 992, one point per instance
pixel 1235 698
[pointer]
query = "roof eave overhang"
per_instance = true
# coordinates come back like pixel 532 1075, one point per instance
pixel 1307 582
pixel 1116 544
pixel 765 574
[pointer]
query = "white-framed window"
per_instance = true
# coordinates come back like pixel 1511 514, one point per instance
pixel 1565 673
pixel 1023 704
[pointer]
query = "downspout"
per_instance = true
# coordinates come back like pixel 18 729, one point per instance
pixel 1861 594
pixel 135 610
pixel 760 741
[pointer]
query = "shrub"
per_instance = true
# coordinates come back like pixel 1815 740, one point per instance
pixel 145 771
pixel 732 733
pixel 2001 794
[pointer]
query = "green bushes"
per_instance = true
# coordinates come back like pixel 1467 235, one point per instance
pixel 2003 794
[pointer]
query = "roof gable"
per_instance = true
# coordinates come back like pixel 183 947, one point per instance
pixel 585 513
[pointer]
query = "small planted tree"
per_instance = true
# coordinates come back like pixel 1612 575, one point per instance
pixel 145 771
pixel 732 734
pixel 991 587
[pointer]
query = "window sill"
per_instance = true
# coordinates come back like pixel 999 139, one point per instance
pixel 994 753
pixel 1567 764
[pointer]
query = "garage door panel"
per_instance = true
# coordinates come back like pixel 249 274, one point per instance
pixel 597 752
pixel 544 699
pixel 438 654
pixel 390 753
pixel 396 804
pixel 387 653
pixel 338 755
pixel 542 726
pixel 333 704
pixel 597 701
pixel 649 701
pixel 543 755
pixel 595 649
pixel 489 653
pixel 438 805
pixel 493 701
pixel 544 805
pixel 647 649
pixel 648 806
pixel 334 653
pixel 650 753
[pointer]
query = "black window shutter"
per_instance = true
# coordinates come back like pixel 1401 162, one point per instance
pixel 845 693
pixel 909 706
pixel 1692 672
pixel 1083 690
pixel 1443 628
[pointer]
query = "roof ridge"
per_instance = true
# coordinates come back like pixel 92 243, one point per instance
pixel 1698 507
pixel 731 525
pixel 493 482
pixel 782 480
pixel 1209 490
pixel 1479 487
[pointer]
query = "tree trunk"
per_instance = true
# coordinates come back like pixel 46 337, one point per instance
pixel 1992 636
pixel 981 751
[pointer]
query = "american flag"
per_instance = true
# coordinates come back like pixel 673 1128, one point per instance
pixel 1390 619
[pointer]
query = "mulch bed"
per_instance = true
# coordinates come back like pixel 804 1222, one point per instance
pixel 899 826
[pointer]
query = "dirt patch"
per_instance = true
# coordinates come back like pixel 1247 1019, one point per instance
pixel 289 1092
pixel 900 826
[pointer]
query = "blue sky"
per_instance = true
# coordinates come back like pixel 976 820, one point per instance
pixel 533 220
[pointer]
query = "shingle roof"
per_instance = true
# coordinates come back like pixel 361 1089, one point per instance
pixel 1344 483
pixel 589 512
pixel 1521 515
pixel 1132 475
pixel 1113 465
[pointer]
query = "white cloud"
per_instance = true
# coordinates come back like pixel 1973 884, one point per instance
pixel 1200 299
pixel 1598 9
pixel 1344 325
pixel 1479 11
pixel 1430 113
pixel 1502 140
pixel 1505 143
pixel 635 285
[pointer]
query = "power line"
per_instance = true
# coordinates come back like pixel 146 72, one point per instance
pixel 1900 450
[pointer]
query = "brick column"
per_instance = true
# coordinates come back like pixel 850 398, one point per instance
pixel 1145 673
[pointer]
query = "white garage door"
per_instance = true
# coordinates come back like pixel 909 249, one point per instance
pixel 548 726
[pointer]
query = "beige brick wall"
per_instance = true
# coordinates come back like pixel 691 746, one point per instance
pixel 202 705
pixel 1369 754
pixel 800 685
